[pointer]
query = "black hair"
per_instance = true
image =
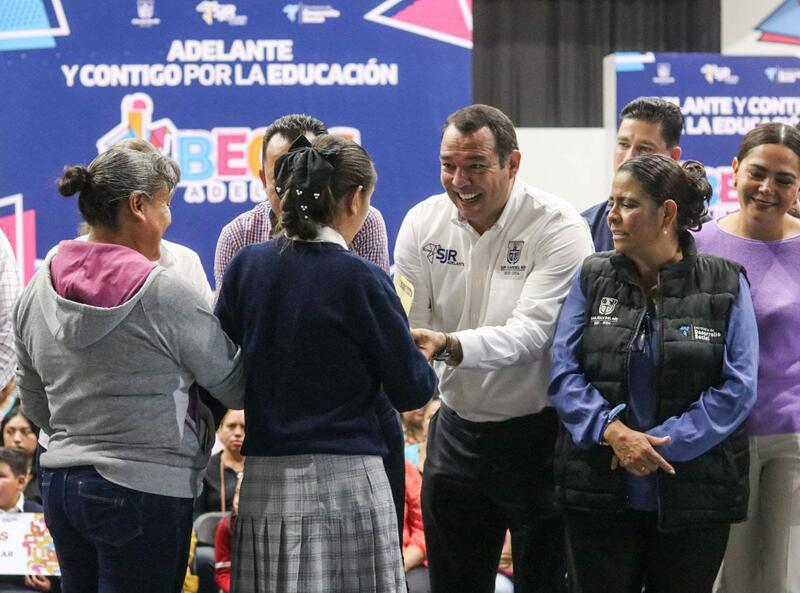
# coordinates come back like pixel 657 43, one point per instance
pixel 350 167
pixel 290 127
pixel 662 178
pixel 771 133
pixel 13 413
pixel 16 460
pixel 474 117
pixel 657 111
pixel 112 177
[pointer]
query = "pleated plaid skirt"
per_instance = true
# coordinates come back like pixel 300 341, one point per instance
pixel 316 523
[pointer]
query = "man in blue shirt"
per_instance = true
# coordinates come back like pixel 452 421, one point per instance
pixel 648 125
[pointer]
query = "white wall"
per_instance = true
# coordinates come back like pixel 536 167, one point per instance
pixel 573 163
pixel 739 35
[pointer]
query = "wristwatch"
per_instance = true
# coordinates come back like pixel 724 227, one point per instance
pixel 612 415
pixel 444 354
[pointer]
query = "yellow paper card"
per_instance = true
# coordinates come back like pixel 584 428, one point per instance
pixel 405 290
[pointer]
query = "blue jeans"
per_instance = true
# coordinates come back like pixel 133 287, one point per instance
pixel 112 539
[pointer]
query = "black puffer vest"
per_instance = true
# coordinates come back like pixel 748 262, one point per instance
pixel 693 305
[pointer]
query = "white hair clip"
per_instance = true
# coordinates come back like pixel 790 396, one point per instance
pixel 299 192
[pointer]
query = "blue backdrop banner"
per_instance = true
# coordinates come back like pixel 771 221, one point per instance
pixel 201 80
pixel 721 98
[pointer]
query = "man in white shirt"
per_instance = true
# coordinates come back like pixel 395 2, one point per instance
pixel 491 261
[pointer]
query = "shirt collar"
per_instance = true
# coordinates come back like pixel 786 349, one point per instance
pixel 17 508
pixel 326 234
pixel 516 190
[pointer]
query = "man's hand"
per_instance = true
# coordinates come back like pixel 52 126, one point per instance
pixel 635 451
pixel 429 342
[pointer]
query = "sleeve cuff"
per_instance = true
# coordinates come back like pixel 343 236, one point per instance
pixel 470 348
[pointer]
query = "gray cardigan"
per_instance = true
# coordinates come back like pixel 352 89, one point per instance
pixel 110 385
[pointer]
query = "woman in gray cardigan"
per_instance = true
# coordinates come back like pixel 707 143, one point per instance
pixel 108 344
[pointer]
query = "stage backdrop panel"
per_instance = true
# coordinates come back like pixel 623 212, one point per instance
pixel 200 80
pixel 721 98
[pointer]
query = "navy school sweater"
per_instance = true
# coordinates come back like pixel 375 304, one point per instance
pixel 322 331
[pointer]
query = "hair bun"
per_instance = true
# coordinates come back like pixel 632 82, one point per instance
pixel 74 180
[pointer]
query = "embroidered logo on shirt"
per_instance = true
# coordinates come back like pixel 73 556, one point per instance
pixel 434 251
pixel 607 305
pixel 699 333
pixel 514 251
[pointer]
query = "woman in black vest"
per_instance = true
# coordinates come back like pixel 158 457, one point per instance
pixel 654 371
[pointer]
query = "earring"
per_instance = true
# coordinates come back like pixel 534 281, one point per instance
pixel 665 231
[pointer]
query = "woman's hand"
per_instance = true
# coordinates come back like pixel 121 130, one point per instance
pixel 635 451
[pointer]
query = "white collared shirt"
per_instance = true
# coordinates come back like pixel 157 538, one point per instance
pixel 17 508
pixel 500 293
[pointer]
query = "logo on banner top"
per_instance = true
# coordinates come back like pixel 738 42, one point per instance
pixel 211 11
pixel 715 73
pixel 145 9
pixel 780 75
pixel 663 73
pixel 217 165
pixel 310 14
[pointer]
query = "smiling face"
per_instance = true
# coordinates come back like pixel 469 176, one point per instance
pixel 636 222
pixel 767 183
pixel 473 176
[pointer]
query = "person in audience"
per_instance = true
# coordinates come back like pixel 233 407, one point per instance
pixel 219 485
pixel 223 553
pixel 648 125
pixel 763 552
pixel 415 562
pixel 654 372
pixel 224 467
pixel 316 510
pixel 104 339
pixel 430 410
pixel 14 475
pixel 412 429
pixel 20 433
pixel 370 242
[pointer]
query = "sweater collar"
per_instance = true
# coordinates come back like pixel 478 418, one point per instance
pixel 676 269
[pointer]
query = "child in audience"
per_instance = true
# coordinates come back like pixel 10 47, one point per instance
pixel 13 478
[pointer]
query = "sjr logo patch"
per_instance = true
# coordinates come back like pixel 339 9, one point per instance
pixel 434 251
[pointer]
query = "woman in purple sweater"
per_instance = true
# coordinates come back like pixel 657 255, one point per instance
pixel 762 553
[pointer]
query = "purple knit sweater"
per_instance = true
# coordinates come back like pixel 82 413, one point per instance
pixel 773 268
